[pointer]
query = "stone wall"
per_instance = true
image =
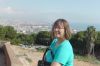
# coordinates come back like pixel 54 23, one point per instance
pixel 10 57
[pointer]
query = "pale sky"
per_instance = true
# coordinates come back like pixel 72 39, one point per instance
pixel 77 12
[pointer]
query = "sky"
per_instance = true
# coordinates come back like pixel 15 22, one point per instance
pixel 79 13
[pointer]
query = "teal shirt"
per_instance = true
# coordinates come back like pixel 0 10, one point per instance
pixel 63 54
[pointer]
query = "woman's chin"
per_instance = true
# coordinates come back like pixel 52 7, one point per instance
pixel 57 36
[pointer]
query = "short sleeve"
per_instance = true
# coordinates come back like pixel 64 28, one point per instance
pixel 53 42
pixel 48 53
pixel 62 55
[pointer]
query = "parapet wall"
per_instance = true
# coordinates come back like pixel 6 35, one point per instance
pixel 10 57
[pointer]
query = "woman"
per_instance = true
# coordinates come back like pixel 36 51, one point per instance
pixel 60 46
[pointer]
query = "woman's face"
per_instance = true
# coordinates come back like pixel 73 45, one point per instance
pixel 59 30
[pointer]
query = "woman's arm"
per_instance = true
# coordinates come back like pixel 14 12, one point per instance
pixel 55 64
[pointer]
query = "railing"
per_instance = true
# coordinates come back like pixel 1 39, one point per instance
pixel 10 57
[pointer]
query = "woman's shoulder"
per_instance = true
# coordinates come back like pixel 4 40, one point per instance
pixel 53 42
pixel 66 44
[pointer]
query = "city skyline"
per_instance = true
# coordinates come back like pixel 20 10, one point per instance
pixel 79 13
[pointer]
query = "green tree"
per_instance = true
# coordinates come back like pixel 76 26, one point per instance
pixel 78 42
pixel 33 38
pixel 26 39
pixel 10 32
pixel 98 38
pixel 2 32
pixel 91 36
pixel 43 38
pixel 22 37
pixel 15 41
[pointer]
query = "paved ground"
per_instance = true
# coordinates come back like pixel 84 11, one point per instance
pixel 33 57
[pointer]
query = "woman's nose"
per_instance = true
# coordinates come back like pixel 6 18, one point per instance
pixel 56 29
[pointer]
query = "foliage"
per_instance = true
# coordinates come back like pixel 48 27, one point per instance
pixel 26 39
pixel 91 34
pixel 78 43
pixel 81 40
pixel 98 38
pixel 43 38
pixel 15 41
pixel 2 32
pixel 10 33
pixel 90 37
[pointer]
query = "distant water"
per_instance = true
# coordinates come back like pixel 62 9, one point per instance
pixel 83 26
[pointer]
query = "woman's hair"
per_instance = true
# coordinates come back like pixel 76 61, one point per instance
pixel 65 25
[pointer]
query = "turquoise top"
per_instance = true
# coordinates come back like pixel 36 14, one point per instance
pixel 63 54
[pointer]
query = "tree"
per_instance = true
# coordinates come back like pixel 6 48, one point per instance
pixel 33 38
pixel 15 41
pixel 22 37
pixel 2 32
pixel 26 39
pixel 10 33
pixel 78 42
pixel 90 38
pixel 43 38
pixel 98 38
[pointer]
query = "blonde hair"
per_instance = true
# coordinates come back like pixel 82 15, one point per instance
pixel 66 27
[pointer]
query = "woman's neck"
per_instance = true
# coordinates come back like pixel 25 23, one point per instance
pixel 60 40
